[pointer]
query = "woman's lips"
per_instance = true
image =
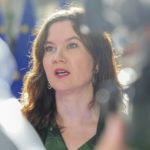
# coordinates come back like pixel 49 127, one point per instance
pixel 61 73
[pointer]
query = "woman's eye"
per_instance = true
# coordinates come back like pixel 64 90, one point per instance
pixel 50 48
pixel 72 45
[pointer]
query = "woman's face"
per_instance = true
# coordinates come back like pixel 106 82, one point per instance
pixel 67 63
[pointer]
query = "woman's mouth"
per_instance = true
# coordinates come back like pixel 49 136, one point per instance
pixel 60 73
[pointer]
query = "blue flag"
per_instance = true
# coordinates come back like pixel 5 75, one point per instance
pixel 23 46
pixel 2 27
pixel 7 62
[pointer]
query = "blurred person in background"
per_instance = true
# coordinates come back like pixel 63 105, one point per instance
pixel 16 133
pixel 72 85
pixel 7 70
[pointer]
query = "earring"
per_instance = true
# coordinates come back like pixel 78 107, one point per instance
pixel 95 72
pixel 49 86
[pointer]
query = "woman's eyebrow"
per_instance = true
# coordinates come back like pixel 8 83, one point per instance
pixel 48 42
pixel 72 38
pixel 68 39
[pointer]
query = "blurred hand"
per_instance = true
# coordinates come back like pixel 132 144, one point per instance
pixel 113 137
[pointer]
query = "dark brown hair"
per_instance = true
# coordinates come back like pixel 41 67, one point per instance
pixel 39 102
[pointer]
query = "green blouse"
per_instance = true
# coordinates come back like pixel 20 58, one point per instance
pixel 53 139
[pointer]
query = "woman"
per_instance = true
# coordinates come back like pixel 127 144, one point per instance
pixel 68 68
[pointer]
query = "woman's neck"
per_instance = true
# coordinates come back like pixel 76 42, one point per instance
pixel 76 106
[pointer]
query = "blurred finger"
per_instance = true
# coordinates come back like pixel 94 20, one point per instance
pixel 113 137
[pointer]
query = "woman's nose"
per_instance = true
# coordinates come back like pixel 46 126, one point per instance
pixel 59 56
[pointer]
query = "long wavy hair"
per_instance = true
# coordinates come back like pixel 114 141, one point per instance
pixel 39 101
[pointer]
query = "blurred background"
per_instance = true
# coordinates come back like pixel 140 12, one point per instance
pixel 127 20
